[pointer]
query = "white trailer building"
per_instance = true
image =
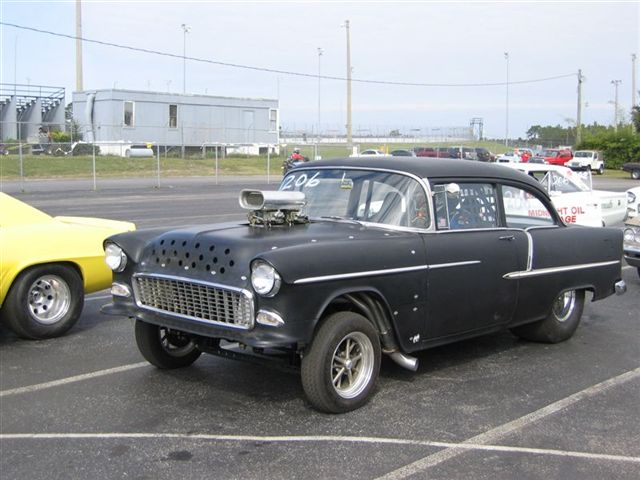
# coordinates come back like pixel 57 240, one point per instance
pixel 126 117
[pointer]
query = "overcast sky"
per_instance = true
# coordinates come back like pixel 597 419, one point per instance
pixel 416 42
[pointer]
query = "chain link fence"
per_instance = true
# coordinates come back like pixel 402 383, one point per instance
pixel 60 151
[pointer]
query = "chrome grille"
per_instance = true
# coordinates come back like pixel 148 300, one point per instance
pixel 200 301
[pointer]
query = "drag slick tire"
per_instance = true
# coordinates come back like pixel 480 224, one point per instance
pixel 44 301
pixel 165 348
pixel 340 368
pixel 560 324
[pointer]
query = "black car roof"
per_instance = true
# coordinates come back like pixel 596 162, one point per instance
pixel 431 168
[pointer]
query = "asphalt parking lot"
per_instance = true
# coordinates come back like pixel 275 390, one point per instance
pixel 86 405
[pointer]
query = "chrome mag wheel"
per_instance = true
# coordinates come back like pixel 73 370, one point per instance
pixel 352 365
pixel 49 299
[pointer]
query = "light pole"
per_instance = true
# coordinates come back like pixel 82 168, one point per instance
pixel 320 52
pixel 633 80
pixel 349 126
pixel 79 86
pixel 633 88
pixel 615 84
pixel 506 135
pixel 579 110
pixel 185 29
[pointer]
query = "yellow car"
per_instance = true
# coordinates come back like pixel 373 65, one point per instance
pixel 47 264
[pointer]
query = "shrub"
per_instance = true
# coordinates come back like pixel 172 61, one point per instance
pixel 617 148
pixel 61 137
pixel 85 149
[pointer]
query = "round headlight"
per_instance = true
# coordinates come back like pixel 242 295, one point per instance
pixel 115 257
pixel 264 278
pixel 631 197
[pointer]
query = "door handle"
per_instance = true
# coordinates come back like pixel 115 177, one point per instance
pixel 507 238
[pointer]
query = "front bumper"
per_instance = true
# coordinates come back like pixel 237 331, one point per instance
pixel 260 336
pixel 632 255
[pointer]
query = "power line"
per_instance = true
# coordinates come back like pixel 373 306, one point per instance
pixel 281 72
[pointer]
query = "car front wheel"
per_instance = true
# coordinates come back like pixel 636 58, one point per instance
pixel 340 368
pixel 560 324
pixel 165 348
pixel 44 301
pixel 635 174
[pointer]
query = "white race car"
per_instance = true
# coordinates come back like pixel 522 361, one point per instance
pixel 573 196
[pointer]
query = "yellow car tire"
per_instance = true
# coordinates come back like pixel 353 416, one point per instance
pixel 44 301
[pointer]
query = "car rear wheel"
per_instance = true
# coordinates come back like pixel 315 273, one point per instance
pixel 44 301
pixel 165 348
pixel 635 174
pixel 601 170
pixel 340 368
pixel 560 324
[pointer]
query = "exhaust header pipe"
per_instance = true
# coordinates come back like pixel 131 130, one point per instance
pixel 410 363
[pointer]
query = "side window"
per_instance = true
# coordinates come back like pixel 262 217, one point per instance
pixel 128 118
pixel 523 209
pixel 273 120
pixel 465 205
pixel 387 205
pixel 173 116
pixel 404 207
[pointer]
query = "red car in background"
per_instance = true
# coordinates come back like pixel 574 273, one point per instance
pixel 555 156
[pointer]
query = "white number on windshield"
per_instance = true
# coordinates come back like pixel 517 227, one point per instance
pixel 300 181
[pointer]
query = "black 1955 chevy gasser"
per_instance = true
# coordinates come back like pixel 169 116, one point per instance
pixel 354 258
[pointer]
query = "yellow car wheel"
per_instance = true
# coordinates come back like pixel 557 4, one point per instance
pixel 44 301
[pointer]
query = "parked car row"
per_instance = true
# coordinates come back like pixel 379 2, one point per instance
pixel 467 153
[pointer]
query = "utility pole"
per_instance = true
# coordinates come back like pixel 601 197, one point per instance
pixel 185 29
pixel 579 112
pixel 320 52
pixel 78 46
pixel 506 135
pixel 615 104
pixel 633 87
pixel 349 126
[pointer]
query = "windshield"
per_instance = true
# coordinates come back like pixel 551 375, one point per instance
pixel 583 154
pixel 551 153
pixel 361 195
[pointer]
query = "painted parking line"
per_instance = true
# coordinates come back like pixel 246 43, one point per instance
pixel 493 435
pixel 318 439
pixel 74 379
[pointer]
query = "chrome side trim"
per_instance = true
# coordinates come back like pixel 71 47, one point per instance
pixel 453 264
pixel 388 271
pixel 529 250
pixel 552 270
pixel 343 276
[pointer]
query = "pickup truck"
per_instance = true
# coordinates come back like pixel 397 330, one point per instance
pixel 555 156
pixel 587 160
pixel 633 168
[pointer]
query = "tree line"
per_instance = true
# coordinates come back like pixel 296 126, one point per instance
pixel 619 144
